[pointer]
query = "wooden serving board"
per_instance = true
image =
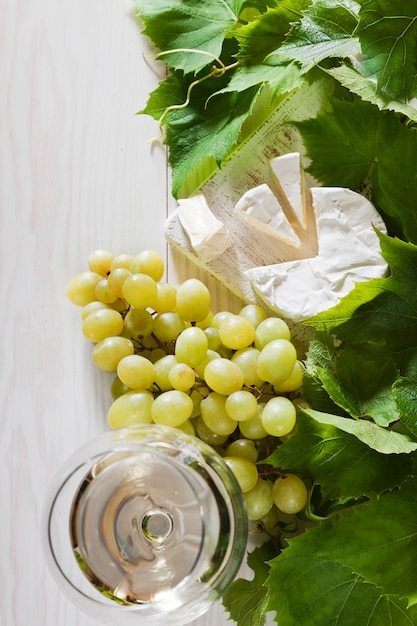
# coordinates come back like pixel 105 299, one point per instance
pixel 248 167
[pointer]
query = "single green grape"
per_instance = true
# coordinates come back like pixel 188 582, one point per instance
pixel 172 408
pixel 116 279
pixel 104 292
pixel 214 414
pixel 259 499
pixel 279 416
pixel 201 365
pixel 270 520
pixel 206 322
pixel 191 346
pixel 148 262
pixel 223 376
pixel 121 260
pixel 294 380
pixel 181 376
pixel 276 361
pixel 133 407
pixel 166 298
pixel 117 388
pixel 81 288
pixel 236 332
pixel 246 472
pixel 140 291
pixel 253 427
pixel 95 305
pixel 269 329
pixel 107 353
pixel 193 300
pixel 99 261
pixel 197 395
pixel 247 359
pixel 167 326
pixel 156 354
pixel 138 323
pixel 163 367
pixel 207 435
pixel 219 317
pixel 213 338
pixel 102 323
pixel 253 313
pixel 187 427
pixel 289 494
pixel 243 447
pixel 120 305
pixel 241 405
pixel 136 371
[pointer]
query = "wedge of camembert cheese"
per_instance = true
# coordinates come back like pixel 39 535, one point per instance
pixel 348 252
pixel 208 235
pixel 261 208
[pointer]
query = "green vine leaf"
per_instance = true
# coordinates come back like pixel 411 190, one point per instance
pixel 202 26
pixel 247 600
pixel 325 31
pixel 388 33
pixel 356 567
pixel 338 454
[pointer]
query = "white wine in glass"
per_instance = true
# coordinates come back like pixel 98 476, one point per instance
pixel 145 525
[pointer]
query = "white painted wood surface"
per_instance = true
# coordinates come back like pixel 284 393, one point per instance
pixel 76 174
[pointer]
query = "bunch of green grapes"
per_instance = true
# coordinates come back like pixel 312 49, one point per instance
pixel 229 379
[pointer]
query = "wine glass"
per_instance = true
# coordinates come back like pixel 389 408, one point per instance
pixel 145 525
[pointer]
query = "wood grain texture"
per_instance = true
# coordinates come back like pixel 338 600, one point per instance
pixel 76 174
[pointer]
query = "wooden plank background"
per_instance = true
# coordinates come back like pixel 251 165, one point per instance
pixel 76 174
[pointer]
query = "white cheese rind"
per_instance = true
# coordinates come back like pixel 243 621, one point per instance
pixel 349 252
pixel 208 235
pixel 290 182
pixel 352 212
pixel 260 208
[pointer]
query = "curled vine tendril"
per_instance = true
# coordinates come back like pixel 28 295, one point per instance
pixel 216 71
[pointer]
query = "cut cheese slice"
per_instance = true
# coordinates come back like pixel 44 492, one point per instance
pixel 208 235
pixel 349 252
pixel 290 184
pixel 260 207
pixel 345 225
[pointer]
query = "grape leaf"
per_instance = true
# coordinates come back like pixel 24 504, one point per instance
pixel 315 395
pixel 341 142
pixel 207 128
pixel 382 440
pixel 388 33
pixel 321 355
pixel 190 24
pixel 337 460
pixel 366 88
pixel 362 386
pixel 308 588
pixel 325 31
pixel 351 143
pixel 394 179
pixel 359 385
pixel 379 315
pixel 378 539
pixel 281 79
pixel 267 33
pixel 247 600
pixel 199 132
pixel 405 394
pixel 171 90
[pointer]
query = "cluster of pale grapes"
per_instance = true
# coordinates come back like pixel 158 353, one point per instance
pixel 229 379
